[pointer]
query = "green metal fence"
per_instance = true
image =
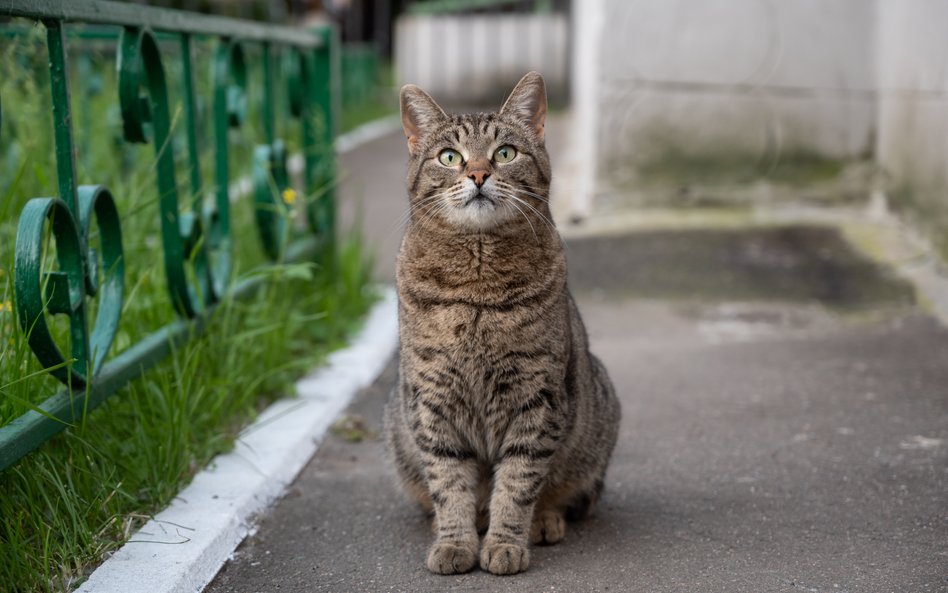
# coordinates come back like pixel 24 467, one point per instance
pixel 195 228
pixel 360 73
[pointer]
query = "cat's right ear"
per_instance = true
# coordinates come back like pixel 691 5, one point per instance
pixel 527 102
pixel 420 115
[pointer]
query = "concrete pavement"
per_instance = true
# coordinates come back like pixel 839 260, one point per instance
pixel 785 428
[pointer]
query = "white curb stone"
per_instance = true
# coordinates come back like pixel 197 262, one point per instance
pixel 184 546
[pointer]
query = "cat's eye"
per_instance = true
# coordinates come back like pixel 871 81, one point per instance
pixel 505 154
pixel 449 158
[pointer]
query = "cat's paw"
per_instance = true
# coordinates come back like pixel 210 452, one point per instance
pixel 548 527
pixel 448 558
pixel 500 558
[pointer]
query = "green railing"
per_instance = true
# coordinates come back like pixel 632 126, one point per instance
pixel 360 73
pixel 86 283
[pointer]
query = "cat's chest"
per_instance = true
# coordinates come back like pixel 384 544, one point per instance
pixel 474 333
pixel 480 344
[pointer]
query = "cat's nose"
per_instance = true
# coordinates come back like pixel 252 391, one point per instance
pixel 479 176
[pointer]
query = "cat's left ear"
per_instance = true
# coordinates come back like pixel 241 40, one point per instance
pixel 420 115
pixel 527 102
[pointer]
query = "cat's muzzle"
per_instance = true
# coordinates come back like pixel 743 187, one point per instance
pixel 480 199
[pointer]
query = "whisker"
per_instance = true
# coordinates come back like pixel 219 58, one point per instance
pixel 523 191
pixel 525 217
pixel 424 213
pixel 538 188
pixel 432 211
pixel 548 222
pixel 542 216
pixel 448 194
pixel 412 208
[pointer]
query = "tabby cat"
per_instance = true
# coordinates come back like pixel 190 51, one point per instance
pixel 501 418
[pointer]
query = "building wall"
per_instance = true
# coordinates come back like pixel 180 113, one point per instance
pixel 732 88
pixel 729 89
pixel 912 146
pixel 731 82
pixel 476 59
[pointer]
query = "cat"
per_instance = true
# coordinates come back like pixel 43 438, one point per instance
pixel 501 419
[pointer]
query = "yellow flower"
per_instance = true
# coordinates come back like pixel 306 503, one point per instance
pixel 6 306
pixel 289 195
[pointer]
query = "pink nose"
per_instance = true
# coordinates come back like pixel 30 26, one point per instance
pixel 479 176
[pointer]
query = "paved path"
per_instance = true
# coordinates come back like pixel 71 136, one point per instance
pixel 785 428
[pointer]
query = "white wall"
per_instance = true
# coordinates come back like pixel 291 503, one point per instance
pixel 754 80
pixel 912 145
pixel 759 79
pixel 476 59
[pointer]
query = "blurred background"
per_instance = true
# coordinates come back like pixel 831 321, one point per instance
pixel 669 103
pixel 672 103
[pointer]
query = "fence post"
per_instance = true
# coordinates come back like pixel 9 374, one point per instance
pixel 324 93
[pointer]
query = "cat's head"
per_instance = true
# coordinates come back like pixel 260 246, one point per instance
pixel 480 171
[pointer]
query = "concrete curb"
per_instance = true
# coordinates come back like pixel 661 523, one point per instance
pixel 182 548
pixel 367 132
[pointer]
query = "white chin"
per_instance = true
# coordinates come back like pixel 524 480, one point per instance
pixel 478 215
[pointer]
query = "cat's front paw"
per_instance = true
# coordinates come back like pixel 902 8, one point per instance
pixel 448 558
pixel 548 527
pixel 499 558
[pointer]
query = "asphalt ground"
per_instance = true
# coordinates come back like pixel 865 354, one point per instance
pixel 785 428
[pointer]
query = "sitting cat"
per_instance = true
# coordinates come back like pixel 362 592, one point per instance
pixel 501 418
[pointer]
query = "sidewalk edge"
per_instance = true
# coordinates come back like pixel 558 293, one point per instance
pixel 183 547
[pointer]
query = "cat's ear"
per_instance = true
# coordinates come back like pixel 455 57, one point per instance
pixel 420 115
pixel 527 102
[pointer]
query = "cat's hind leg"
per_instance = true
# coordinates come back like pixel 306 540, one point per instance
pixel 583 502
pixel 549 517
pixel 549 526
pixel 557 505
pixel 408 466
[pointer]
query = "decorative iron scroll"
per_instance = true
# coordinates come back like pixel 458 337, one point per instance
pixel 147 118
pixel 69 258
pixel 83 272
pixel 81 275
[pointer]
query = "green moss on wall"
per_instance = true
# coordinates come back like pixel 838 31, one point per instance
pixel 796 168
pixel 924 207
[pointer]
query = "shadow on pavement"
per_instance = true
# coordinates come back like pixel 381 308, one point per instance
pixel 791 263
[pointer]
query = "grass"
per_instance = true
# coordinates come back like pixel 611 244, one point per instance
pixel 381 103
pixel 83 493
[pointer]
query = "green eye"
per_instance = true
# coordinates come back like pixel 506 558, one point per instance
pixel 505 154
pixel 449 158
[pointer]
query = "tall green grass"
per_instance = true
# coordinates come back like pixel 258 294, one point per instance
pixel 66 505
pixel 380 103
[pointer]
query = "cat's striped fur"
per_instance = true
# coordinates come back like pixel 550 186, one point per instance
pixel 501 418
